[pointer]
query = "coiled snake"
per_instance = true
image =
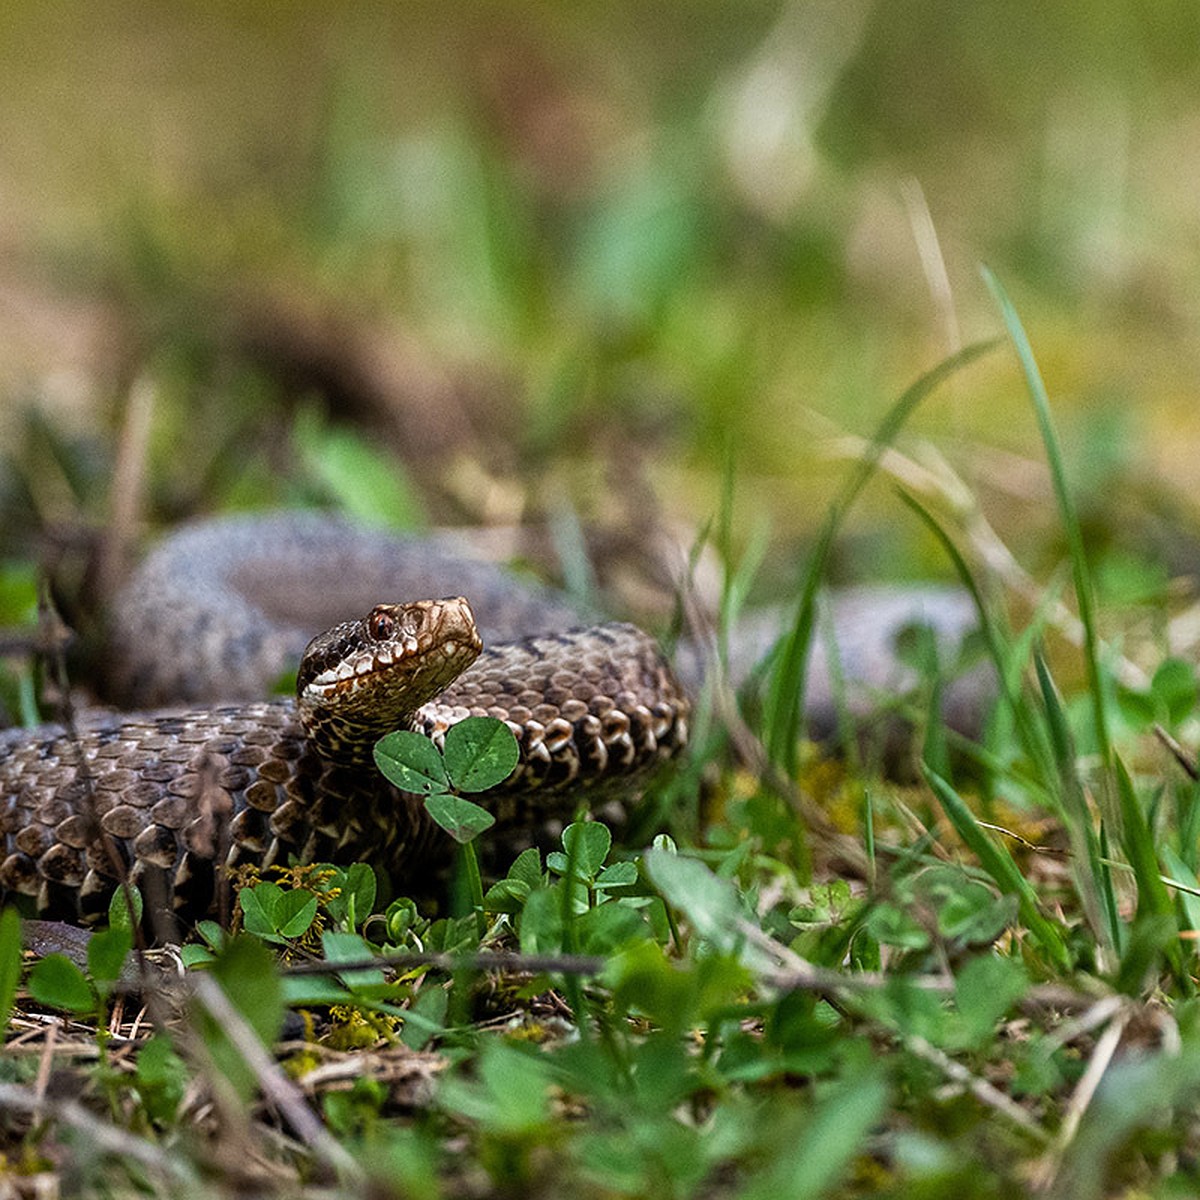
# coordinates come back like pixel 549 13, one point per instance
pixel 219 611
pixel 170 798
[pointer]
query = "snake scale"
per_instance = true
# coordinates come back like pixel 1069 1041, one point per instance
pixel 221 609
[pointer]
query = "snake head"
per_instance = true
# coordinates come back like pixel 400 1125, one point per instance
pixel 364 678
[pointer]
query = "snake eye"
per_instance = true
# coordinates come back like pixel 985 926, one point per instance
pixel 380 624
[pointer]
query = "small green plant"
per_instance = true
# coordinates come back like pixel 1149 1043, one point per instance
pixel 577 903
pixel 276 914
pixel 479 753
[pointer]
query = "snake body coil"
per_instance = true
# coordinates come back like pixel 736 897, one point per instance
pixel 171 799
pixel 221 609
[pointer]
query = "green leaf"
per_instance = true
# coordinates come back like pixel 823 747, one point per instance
pixel 258 908
pixel 645 981
pixel 340 946
pixel 608 927
pixel 816 1151
pixel 461 819
pixel 275 914
pixel 195 955
pixel 891 925
pixel 411 762
pixel 711 904
pixel 160 1078
pixel 966 909
pixel 305 991
pixel 55 980
pixel 480 753
pixel 542 923
pixel 974 916
pixel 106 954
pixel 119 904
pixel 212 933
pixel 425 1018
pixel 294 912
pixel 985 989
pixel 10 962
pixel 589 842
pixel 527 868
pixel 246 970
pixel 619 875
pixel 400 919
pixel 510 1095
pixel 1174 687
pixel 452 935
pixel 506 896
pixel 357 888
pixel 354 1113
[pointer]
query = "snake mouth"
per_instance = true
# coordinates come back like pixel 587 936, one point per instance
pixel 366 669
pixel 354 670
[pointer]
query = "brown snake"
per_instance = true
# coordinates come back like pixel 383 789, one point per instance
pixel 169 799
pixel 222 608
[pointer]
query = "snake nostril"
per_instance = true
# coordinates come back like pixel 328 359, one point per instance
pixel 380 624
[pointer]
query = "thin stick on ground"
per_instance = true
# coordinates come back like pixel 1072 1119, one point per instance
pixel 100 1134
pixel 276 1086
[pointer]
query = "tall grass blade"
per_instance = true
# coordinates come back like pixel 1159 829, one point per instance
pixel 1188 895
pixel 998 863
pixel 1108 892
pixel 1028 730
pixel 1153 898
pixel 1095 887
pixel 784 702
pixel 1066 508
pixel 10 962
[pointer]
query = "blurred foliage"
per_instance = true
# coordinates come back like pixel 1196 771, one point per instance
pixel 614 237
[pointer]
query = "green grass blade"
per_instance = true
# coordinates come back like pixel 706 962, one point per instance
pixel 869 836
pixel 1066 508
pixel 998 863
pixel 1138 842
pixel 10 962
pixel 936 750
pixel 1096 887
pixel 1108 892
pixel 784 702
pixel 1027 728
pixel 1187 895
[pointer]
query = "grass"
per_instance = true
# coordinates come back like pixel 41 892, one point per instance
pixel 981 1008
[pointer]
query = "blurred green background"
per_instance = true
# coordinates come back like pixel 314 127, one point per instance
pixel 560 258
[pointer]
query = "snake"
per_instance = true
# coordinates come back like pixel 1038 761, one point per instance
pixel 201 772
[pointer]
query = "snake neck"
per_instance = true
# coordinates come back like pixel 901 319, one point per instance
pixel 363 679
pixel 347 743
